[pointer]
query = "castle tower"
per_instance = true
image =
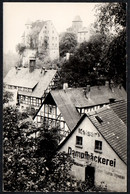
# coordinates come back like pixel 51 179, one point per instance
pixel 77 24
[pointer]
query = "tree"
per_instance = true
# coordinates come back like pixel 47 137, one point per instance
pixel 110 26
pixel 20 48
pixel 7 96
pixel 79 69
pixel 111 23
pixel 115 59
pixel 67 43
pixel 25 167
pixel 111 17
pixel 42 52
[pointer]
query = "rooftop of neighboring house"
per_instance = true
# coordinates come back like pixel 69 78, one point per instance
pixel 120 108
pixel 112 128
pixel 110 125
pixel 37 80
pixel 95 95
pixel 69 99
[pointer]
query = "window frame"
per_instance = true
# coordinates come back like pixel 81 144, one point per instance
pixel 98 146
pixel 79 141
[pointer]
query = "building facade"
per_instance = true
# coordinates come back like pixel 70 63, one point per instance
pixel 49 33
pixel 42 35
pixel 98 145
pixel 83 35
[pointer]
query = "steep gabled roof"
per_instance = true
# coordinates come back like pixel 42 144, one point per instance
pixel 98 95
pixel 66 106
pixel 34 80
pixel 102 94
pixel 112 128
pixel 120 108
pixel 71 98
pixel 21 77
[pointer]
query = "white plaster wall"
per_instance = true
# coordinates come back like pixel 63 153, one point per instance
pixel 51 33
pixel 102 171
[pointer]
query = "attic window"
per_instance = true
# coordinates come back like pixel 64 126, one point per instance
pixel 99 119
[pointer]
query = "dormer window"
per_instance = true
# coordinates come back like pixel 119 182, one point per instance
pixel 99 119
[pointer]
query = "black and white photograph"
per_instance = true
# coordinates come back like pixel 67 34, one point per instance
pixel 64 97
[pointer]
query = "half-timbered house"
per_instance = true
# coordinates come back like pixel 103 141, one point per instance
pixel 31 84
pixel 64 107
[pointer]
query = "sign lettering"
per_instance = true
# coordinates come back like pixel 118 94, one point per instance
pixel 88 133
pixel 86 155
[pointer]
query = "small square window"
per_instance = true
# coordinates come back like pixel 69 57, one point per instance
pixel 79 141
pixel 98 146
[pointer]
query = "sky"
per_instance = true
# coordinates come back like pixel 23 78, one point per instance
pixel 15 16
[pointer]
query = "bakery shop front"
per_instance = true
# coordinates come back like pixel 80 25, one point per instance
pixel 97 151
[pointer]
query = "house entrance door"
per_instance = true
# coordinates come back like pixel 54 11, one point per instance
pixel 90 175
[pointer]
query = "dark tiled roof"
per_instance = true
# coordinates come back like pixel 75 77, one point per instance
pixel 113 129
pixel 120 108
pixel 34 80
pixel 67 100
pixel 102 94
pixel 98 95
pixel 66 106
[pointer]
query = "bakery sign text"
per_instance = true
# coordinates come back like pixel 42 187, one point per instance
pixel 92 157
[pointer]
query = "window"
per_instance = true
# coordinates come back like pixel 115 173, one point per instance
pixel 79 141
pixel 98 146
pixel 99 119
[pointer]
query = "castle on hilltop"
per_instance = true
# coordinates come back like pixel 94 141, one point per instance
pixel 40 35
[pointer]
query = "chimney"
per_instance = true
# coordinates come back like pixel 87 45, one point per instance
pixel 16 69
pixel 43 70
pixel 107 83
pixel 65 86
pixel 32 62
pixel 87 91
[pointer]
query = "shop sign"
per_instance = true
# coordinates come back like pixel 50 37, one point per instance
pixel 88 133
pixel 92 157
